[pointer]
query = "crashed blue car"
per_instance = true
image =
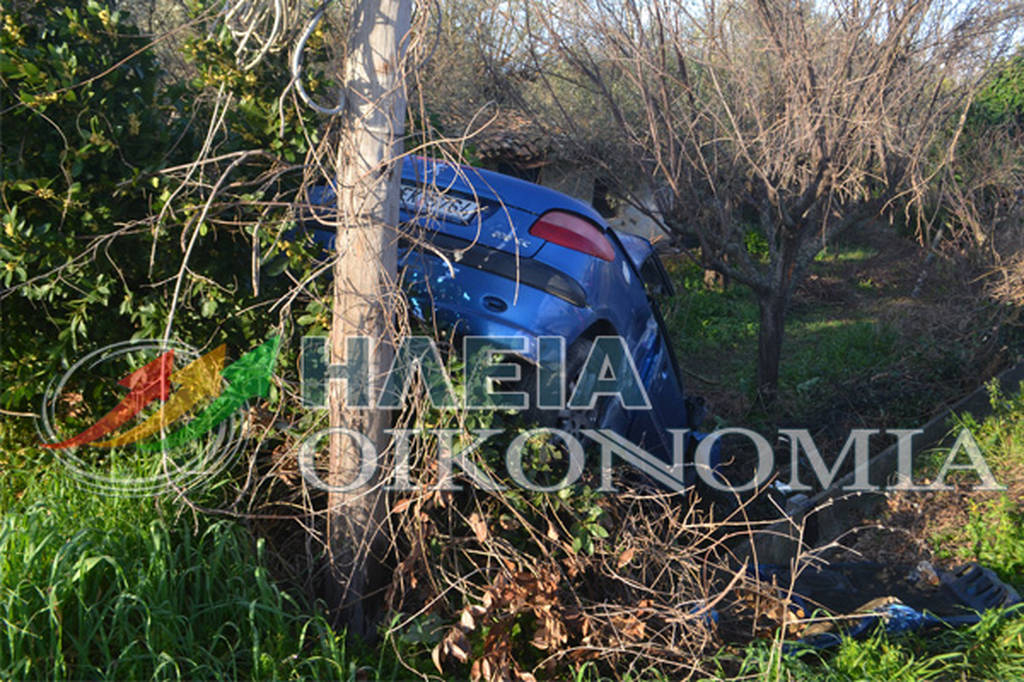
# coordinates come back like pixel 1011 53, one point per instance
pixel 485 254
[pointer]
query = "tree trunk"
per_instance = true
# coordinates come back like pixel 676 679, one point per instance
pixel 367 179
pixel 769 343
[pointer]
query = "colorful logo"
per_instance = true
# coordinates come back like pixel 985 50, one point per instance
pixel 172 420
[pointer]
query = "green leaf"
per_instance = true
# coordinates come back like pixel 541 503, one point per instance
pixel 86 564
pixel 276 266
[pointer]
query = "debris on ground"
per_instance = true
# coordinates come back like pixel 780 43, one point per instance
pixel 824 604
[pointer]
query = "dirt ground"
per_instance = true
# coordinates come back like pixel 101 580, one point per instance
pixel 951 308
pixel 950 338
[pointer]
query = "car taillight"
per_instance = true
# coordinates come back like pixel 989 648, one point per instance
pixel 573 232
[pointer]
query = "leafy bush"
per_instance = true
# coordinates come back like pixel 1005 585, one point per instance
pixel 1001 100
pixel 99 209
pixel 994 532
pixel 79 151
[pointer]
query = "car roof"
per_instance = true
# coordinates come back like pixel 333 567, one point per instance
pixel 494 186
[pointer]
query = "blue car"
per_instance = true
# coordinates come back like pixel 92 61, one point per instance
pixel 485 254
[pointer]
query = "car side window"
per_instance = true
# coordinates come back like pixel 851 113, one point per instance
pixel 655 277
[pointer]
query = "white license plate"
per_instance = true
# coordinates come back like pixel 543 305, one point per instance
pixel 419 200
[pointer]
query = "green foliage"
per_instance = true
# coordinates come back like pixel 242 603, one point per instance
pixel 107 587
pixel 991 649
pixel 94 232
pixel 94 135
pixel 1001 100
pixel 994 532
pixel 698 316
pixel 256 121
pixel 849 253
pixel 78 153
pixel 756 245
pixel 988 168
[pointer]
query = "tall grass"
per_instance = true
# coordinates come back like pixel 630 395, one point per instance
pixel 101 587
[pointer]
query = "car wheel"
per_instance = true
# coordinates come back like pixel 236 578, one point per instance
pixel 571 421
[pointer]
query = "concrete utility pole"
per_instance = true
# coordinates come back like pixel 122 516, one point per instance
pixel 371 128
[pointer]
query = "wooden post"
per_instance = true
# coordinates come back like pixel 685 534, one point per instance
pixel 367 176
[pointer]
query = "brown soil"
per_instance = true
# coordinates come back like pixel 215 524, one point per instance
pixel 950 310
pixel 949 343
pixel 911 527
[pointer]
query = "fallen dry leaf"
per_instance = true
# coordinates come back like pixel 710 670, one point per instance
pixel 466 621
pixel 479 527
pixel 629 627
pixel 458 646
pixel 435 656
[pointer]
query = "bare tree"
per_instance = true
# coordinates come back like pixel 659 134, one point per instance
pixel 785 119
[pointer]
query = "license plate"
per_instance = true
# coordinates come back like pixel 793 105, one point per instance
pixel 420 200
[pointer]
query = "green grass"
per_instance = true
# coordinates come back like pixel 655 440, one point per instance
pixel 993 536
pixel 95 586
pixel 846 253
pixel 833 350
pixel 994 532
pixel 992 649
pixel 818 351
pixel 700 318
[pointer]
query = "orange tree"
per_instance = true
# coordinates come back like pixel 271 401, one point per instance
pixel 100 202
